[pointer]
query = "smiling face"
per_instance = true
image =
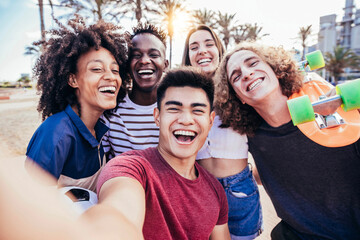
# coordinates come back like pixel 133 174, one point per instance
pixel 97 80
pixel 184 121
pixel 251 77
pixel 147 61
pixel 203 52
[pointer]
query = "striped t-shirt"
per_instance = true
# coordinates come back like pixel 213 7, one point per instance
pixel 131 127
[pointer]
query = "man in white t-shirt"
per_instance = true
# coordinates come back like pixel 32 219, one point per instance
pixel 132 125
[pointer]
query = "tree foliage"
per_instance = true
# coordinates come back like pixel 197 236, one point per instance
pixel 206 17
pixel 226 26
pixel 340 59
pixel 109 10
pixel 138 8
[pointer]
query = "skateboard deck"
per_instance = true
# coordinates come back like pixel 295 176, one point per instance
pixel 342 131
pixel 331 121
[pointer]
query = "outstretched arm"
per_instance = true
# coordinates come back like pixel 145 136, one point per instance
pixel 29 209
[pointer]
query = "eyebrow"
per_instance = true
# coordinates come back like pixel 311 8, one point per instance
pixel 148 50
pixel 245 61
pixel 100 61
pixel 180 104
pixel 206 40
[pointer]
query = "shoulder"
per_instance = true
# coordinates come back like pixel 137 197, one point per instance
pixel 59 124
pixel 132 164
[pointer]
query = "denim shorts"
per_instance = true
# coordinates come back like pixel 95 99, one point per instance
pixel 245 213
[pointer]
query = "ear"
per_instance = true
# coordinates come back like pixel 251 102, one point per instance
pixel 212 117
pixel 157 116
pixel 72 81
pixel 166 64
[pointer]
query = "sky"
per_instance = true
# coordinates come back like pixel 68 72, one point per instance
pixel 281 19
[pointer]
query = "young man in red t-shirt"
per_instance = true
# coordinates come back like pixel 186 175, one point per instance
pixel 162 190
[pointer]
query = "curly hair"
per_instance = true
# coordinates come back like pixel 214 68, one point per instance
pixel 218 44
pixel 242 117
pixel 148 28
pixel 59 60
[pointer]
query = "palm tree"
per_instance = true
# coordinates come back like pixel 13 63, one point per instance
pixel 96 9
pixel 226 26
pixel 303 34
pixel 248 32
pixel 253 32
pixel 204 17
pixel 168 9
pixel 339 60
pixel 139 7
pixel 36 49
pixel 42 24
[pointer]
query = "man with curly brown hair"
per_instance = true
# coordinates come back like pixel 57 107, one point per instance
pixel 81 75
pixel 314 189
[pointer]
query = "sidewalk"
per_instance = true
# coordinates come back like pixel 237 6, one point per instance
pixel 269 215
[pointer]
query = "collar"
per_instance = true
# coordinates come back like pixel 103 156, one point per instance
pixel 100 128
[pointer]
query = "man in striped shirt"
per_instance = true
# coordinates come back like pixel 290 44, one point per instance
pixel 132 124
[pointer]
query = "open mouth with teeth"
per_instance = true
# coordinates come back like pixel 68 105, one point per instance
pixel 204 61
pixel 145 72
pixel 108 89
pixel 255 84
pixel 185 136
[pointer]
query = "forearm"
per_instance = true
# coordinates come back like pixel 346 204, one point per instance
pixel 106 222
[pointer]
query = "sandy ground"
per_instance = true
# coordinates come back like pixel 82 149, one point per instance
pixel 19 119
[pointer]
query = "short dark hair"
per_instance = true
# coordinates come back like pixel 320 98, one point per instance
pixel 186 77
pixel 142 28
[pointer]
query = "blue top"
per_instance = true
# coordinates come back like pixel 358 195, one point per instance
pixel 63 145
pixel 314 189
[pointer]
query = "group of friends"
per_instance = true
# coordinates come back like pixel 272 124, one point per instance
pixel 166 150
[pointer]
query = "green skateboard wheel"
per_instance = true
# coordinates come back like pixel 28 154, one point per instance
pixel 315 60
pixel 301 110
pixel 350 94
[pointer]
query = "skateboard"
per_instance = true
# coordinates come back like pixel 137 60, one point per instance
pixel 331 121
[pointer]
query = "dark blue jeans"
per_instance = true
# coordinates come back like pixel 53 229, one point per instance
pixel 245 214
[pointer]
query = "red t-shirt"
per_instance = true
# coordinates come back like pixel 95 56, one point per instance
pixel 176 207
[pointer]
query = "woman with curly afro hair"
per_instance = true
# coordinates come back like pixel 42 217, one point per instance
pixel 81 75
pixel 309 185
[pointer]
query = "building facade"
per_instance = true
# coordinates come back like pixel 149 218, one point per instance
pixel 345 33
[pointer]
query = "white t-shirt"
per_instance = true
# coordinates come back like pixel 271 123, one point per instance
pixel 131 127
pixel 223 143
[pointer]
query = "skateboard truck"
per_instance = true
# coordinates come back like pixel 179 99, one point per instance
pixel 325 114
